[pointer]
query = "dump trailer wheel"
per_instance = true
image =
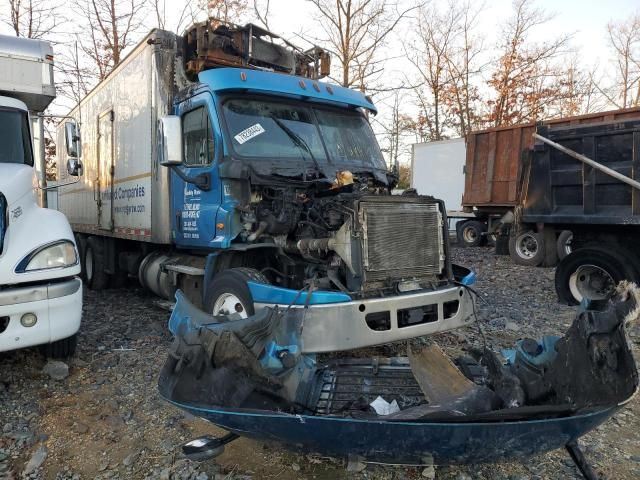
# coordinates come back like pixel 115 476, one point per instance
pixel 527 248
pixel 470 232
pixel 592 274
pixel 563 244
pixel 94 264
pixel 61 348
pixel 229 292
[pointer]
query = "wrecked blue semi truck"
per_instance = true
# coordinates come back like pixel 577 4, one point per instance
pixel 251 377
pixel 216 163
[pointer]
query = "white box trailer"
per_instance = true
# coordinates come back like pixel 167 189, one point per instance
pixel 127 198
pixel 27 72
pixel 438 169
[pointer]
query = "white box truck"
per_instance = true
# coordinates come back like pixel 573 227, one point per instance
pixel 438 169
pixel 40 292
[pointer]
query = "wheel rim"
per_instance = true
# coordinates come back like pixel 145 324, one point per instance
pixel 88 263
pixel 527 246
pixel 591 282
pixel 228 303
pixel 469 234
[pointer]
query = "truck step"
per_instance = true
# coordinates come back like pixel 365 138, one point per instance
pixel 186 269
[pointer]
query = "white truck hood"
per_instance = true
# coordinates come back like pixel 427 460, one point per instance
pixel 29 227
pixel 16 180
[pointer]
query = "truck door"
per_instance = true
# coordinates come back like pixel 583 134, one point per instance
pixel 195 210
pixel 105 170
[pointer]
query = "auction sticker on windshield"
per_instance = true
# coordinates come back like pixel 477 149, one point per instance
pixel 249 133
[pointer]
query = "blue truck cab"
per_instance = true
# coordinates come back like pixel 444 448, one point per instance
pixel 277 193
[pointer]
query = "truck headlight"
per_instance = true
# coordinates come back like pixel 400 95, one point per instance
pixel 55 255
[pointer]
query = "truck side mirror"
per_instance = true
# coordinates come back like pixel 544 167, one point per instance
pixel 74 166
pixel 72 139
pixel 170 136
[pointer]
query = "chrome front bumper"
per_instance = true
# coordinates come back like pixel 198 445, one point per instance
pixel 343 326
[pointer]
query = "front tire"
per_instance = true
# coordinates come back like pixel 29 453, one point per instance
pixel 94 264
pixel 229 292
pixel 591 274
pixel 64 348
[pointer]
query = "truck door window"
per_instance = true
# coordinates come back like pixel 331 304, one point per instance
pixel 15 141
pixel 197 138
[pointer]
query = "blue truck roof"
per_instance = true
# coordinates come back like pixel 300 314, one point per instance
pixel 230 79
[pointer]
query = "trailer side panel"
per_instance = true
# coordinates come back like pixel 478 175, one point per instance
pixel 493 163
pixel 122 192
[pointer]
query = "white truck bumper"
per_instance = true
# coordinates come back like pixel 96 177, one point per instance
pixel 57 306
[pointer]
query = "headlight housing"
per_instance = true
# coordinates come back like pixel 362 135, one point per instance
pixel 54 255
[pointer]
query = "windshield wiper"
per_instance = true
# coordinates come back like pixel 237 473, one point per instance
pixel 298 141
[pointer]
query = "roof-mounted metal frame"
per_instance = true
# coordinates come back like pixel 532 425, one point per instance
pixel 213 44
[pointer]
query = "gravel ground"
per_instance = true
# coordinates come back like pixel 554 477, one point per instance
pixel 105 420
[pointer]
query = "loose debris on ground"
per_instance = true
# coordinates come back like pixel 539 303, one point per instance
pixel 99 415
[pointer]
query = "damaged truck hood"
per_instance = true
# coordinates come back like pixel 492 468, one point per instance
pixel 248 376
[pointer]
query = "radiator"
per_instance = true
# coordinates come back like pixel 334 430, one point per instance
pixel 401 240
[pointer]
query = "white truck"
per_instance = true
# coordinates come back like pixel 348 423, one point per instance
pixel 438 169
pixel 40 292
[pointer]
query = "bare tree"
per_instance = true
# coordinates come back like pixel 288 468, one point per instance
pixel 192 11
pixel 261 11
pixel 396 129
pixel 445 55
pixel 624 41
pixel 34 18
pixel 462 95
pixel 435 38
pixel 112 26
pixel 522 81
pixel 75 76
pixel 356 31
pixel 226 10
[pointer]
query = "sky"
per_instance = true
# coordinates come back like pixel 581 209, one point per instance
pixel 585 20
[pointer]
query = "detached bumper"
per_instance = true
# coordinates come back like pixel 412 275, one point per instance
pixel 57 306
pixel 355 324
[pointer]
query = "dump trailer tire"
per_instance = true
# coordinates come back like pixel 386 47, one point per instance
pixel 527 248
pixel 64 348
pixel 470 232
pixel 94 264
pixel 563 244
pixel 229 292
pixel 591 273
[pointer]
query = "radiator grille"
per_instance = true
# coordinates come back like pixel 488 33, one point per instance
pixel 402 240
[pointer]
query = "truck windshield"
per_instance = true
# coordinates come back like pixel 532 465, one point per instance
pixel 15 143
pixel 268 129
